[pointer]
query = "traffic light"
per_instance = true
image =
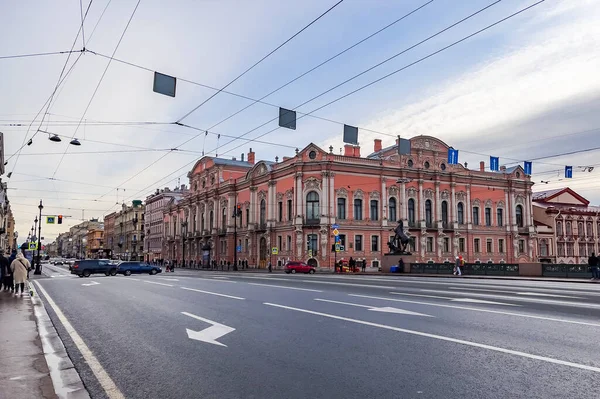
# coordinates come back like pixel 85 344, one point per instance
pixel 238 210
pixel 59 219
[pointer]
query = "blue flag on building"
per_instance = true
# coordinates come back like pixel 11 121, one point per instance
pixel 568 172
pixel 494 163
pixel 527 167
pixel 452 156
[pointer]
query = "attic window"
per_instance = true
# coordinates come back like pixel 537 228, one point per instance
pixel 212 179
pixel 195 186
pixel 443 166
pixel 518 174
pixel 426 164
pixel 203 183
pixel 410 163
pixel 312 154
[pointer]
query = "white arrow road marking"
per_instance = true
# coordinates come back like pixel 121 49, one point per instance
pixel 447 339
pixel 583 323
pixel 91 283
pixel 212 293
pixel 385 309
pixel 210 334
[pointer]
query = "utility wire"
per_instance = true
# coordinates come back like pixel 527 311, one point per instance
pixel 5 57
pixel 98 22
pixel 261 60
pixel 82 26
pixel 99 83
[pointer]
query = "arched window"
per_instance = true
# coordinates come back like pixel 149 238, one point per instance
pixel 411 212
pixel 357 209
pixel 475 215
pixel 224 218
pixel 580 228
pixel 568 228
pixel 460 213
pixel 590 231
pixel 263 211
pixel 211 220
pixel 374 215
pixel 559 228
pixel 428 216
pixel 519 214
pixel 445 214
pixel 312 206
pixel 392 210
pixel 341 208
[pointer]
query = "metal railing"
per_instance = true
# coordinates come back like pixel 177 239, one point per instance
pixel 486 269
pixel 566 271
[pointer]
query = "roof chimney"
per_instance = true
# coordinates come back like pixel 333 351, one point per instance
pixel 348 150
pixel 251 157
pixel 482 166
pixel 357 151
pixel 242 157
pixel 377 146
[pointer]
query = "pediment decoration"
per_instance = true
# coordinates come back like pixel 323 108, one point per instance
pixel 500 204
pixel 312 183
pixel 393 190
pixel 262 195
pixel 428 193
pixel 341 192
pixel 488 203
pixel 445 194
pixel 374 194
pixel 224 202
pixel 359 194
pixel 461 196
pixel 411 192
pixel 279 196
pixel 476 202
pixel 289 194
pixel 520 200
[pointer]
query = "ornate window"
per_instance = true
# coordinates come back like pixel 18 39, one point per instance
pixel 559 228
pixel 428 215
pixel 341 208
pixel 500 217
pixel 475 215
pixel 211 220
pixel 411 212
pixel 460 213
pixel 544 247
pixel 590 230
pixel 519 215
pixel 445 214
pixel 224 218
pixel 392 210
pixel 312 206
pixel 488 216
pixel 568 228
pixel 357 209
pixel 263 211
pixel 374 214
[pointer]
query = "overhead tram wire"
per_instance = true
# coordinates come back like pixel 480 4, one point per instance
pixel 60 81
pixel 376 81
pixel 259 61
pixel 396 71
pixel 99 83
pixel 5 57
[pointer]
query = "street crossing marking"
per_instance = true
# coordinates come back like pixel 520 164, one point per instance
pixel 213 293
pixel 111 389
pixel 283 286
pixel 583 323
pixel 385 309
pixel 444 338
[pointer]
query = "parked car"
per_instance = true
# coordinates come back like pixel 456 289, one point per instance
pixel 129 268
pixel 299 267
pixel 84 268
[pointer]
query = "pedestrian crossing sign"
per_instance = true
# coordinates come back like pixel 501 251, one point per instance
pixel 32 246
pixel 275 251
pixel 50 219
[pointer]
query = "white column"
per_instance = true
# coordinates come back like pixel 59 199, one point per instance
pixel 438 204
pixel 452 204
pixel 468 211
pixel 332 201
pixel 507 213
pixel 252 205
pixel 270 201
pixel 513 212
pixel 383 203
pixel 403 203
pixel 299 195
pixel 324 201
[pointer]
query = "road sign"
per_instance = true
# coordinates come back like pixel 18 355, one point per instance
pixel 275 251
pixel 337 247
pixel 336 232
pixel 335 226
pixel 338 240
pixel 310 253
pixel 210 334
pixel 238 248
pixel 50 219
pixel 32 246
pixel 342 248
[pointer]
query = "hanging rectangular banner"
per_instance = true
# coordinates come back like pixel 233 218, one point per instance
pixel 350 134
pixel 568 172
pixel 164 84
pixel 527 167
pixel 494 163
pixel 287 118
pixel 452 156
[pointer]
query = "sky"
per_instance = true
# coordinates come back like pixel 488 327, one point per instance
pixel 525 89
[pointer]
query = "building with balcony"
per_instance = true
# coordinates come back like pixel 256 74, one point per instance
pixel 155 207
pixel 287 208
pixel 128 232
pixel 95 244
pixel 77 239
pixel 568 226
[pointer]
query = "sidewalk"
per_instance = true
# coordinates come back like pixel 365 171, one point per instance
pixel 23 369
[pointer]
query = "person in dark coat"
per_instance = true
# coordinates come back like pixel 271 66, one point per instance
pixel 364 265
pixel 4 268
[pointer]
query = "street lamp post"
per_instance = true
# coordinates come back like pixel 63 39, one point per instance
pixel 237 212
pixel 38 265
pixel 183 234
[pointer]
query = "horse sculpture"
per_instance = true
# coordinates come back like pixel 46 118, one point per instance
pixel 398 244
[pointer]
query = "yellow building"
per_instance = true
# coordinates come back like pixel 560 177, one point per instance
pixel 10 232
pixel 94 243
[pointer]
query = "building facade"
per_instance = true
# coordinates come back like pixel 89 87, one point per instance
pixel 286 209
pixel 568 227
pixel 95 244
pixel 110 241
pixel 11 237
pixel 129 232
pixel 155 207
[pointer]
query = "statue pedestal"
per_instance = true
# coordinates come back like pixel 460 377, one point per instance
pixel 390 260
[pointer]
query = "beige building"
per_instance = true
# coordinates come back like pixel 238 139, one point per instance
pixel 11 239
pixel 568 227
pixel 129 232
pixel 76 244
pixel 95 244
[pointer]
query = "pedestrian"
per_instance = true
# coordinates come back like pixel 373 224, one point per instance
pixel 20 267
pixel 457 266
pixel 4 267
pixel 228 265
pixel 364 265
pixel 593 263
pixel 270 268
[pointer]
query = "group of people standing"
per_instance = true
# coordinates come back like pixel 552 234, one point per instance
pixel 594 262
pixel 14 272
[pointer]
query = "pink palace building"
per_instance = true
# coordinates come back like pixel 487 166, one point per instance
pixel 286 208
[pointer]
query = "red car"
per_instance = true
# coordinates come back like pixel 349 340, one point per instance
pixel 299 267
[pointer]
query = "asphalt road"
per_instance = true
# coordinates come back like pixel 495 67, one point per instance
pixel 326 336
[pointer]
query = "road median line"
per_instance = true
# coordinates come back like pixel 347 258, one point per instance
pixel 213 293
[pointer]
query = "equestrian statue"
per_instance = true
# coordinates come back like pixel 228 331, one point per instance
pixel 398 244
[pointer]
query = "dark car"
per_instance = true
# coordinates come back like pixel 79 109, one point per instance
pixel 84 268
pixel 298 267
pixel 129 268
